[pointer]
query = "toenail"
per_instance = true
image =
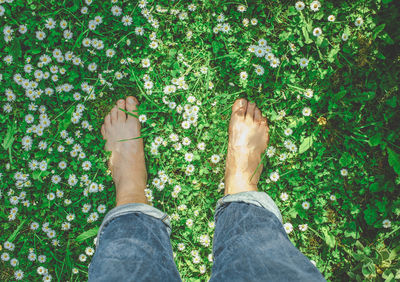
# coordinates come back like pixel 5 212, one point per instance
pixel 241 103
pixel 120 101
pixel 130 100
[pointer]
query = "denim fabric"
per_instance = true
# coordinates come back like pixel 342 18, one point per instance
pixel 249 244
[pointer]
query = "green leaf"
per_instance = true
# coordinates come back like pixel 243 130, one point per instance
pixel 329 238
pixel 345 160
pixel 16 231
pixel 374 187
pixel 375 140
pixel 87 234
pixel 394 160
pixel 368 269
pixel 370 215
pixel 306 144
pixel 377 30
pixel 66 121
pixel 306 36
pixel 332 53
pixel 9 138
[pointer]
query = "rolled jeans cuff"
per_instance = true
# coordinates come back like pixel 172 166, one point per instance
pixel 257 198
pixel 132 208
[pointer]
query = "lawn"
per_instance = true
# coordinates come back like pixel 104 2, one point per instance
pixel 325 73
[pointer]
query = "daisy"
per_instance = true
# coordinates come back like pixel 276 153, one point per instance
pixel 50 23
pixel 82 257
pixel 40 35
pixel 139 30
pixel 67 34
pixel 253 21
pixel 303 62
pixel 34 225
pixel 259 51
pixel 284 196
pixel 189 222
pixel 243 75
pixel 127 20
pixel 315 5
pixel 306 111
pixel 288 131
pixel 288 227
pixel 142 118
pixel 145 63
pixel 305 205
pixel 309 93
pixel 22 29
pixel 331 18
pixel 189 169
pixel 332 197
pixel 185 124
pixel 271 151
pixel 19 274
pixel 274 176
pixel 92 67
pixel 345 37
pixel 274 62
pixel 110 53
pixel 386 223
pixel 317 31
pixel 181 246
pixel 189 157
pixel 241 8
pixel 303 227
pixel 84 10
pixel 148 85
pixel 358 22
pixel 220 17
pixel 215 158
pixel 282 157
pixel 344 172
pixel 86 165
pixel 8 59
pixel 259 70
pixel 299 5
pixel 63 24
pixel 201 146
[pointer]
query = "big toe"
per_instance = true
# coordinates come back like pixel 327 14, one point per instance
pixel 131 103
pixel 239 107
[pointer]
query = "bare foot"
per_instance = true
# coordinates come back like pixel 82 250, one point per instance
pixel 248 139
pixel 127 162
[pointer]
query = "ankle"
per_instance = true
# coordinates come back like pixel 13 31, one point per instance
pixel 131 199
pixel 238 188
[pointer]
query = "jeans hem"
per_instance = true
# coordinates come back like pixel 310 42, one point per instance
pixel 257 198
pixel 132 208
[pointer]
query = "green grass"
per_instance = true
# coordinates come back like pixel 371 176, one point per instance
pixel 353 125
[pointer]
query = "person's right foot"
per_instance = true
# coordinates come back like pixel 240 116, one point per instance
pixel 248 139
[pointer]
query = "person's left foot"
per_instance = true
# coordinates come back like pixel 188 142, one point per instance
pixel 127 162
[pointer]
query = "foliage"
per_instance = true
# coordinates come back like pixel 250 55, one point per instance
pixel 329 87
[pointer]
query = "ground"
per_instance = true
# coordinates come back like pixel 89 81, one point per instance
pixel 323 73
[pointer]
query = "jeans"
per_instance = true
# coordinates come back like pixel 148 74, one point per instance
pixel 249 244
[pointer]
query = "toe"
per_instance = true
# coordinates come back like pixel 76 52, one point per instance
pixel 103 131
pixel 257 115
pixel 131 103
pixel 114 114
pixel 239 107
pixel 250 111
pixel 264 123
pixel 107 120
pixel 121 114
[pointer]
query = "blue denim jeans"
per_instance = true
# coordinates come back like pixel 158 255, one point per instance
pixel 249 244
